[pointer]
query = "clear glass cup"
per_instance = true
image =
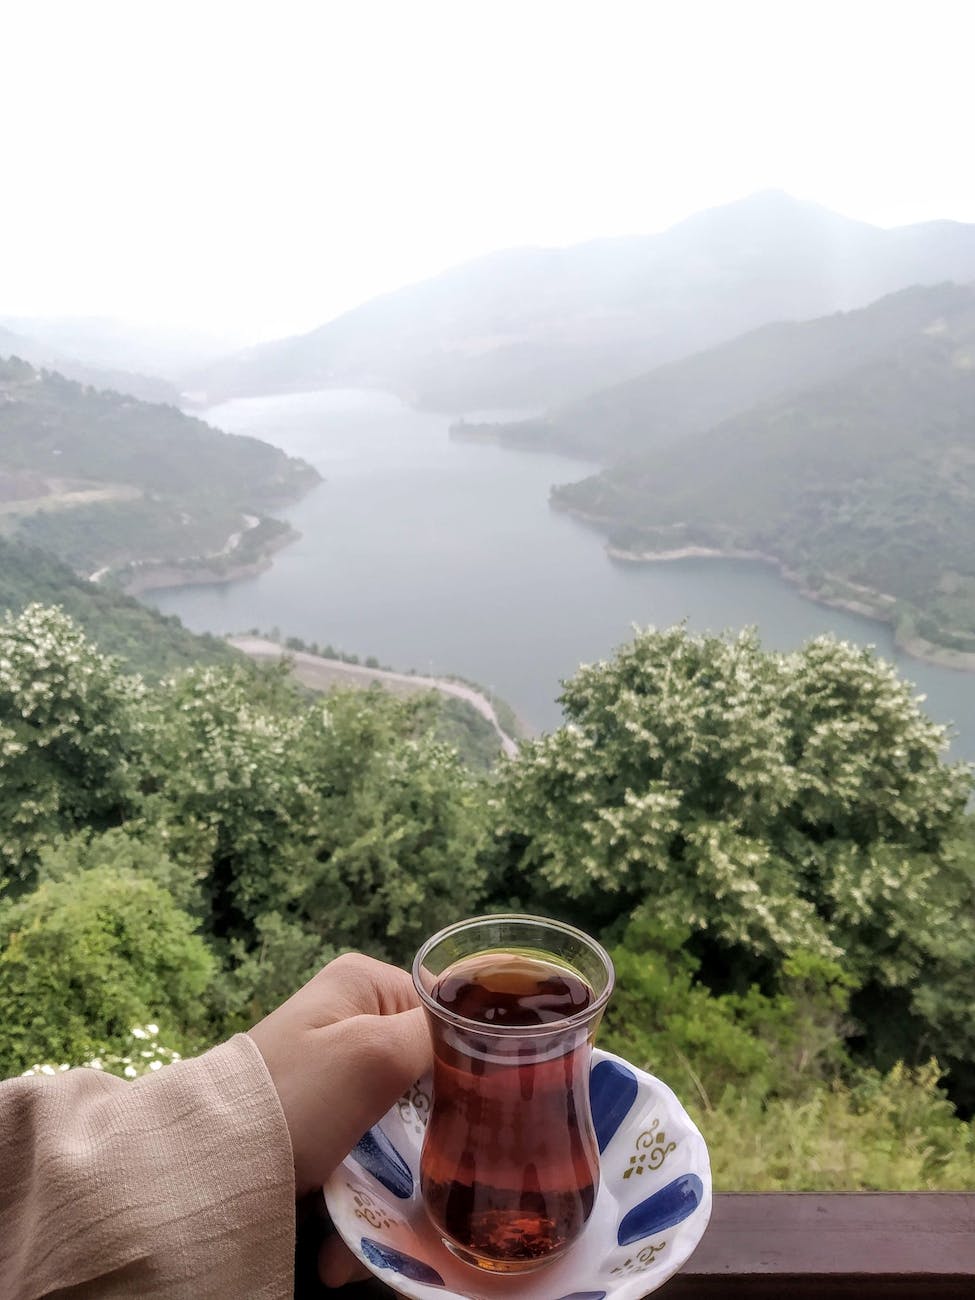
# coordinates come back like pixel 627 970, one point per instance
pixel 510 1166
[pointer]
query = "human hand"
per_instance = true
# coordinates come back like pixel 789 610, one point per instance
pixel 340 1052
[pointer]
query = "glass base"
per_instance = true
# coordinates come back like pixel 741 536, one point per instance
pixel 502 1266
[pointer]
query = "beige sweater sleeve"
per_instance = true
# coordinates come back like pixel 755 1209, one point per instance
pixel 180 1184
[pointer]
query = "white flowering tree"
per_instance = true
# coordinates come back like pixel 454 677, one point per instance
pixel 68 729
pixel 310 825
pixel 141 1052
pixel 772 803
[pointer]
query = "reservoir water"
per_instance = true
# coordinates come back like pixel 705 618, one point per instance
pixel 444 556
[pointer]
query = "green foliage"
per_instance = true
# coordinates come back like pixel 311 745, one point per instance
pixel 894 1132
pixel 651 411
pixel 140 1053
pixel 120 849
pixel 337 814
pixel 771 1045
pixel 290 829
pixel 769 1081
pixel 143 640
pixel 458 724
pixel 451 720
pixel 110 534
pixel 84 959
pixel 160 485
pixel 776 803
pixel 68 728
pixel 282 957
pixel 46 419
pixel 197 849
pixel 860 483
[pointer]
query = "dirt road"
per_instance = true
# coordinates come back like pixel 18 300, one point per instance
pixel 321 673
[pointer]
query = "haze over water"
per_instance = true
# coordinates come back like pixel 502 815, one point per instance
pixel 444 556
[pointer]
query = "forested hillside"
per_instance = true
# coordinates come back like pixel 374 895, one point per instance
pixel 101 479
pixel 861 487
pixel 771 845
pixel 143 640
pixel 536 327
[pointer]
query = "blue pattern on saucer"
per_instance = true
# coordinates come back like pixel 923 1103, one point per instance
pixel 612 1091
pixel 661 1202
pixel 389 1257
pixel 671 1205
pixel 377 1156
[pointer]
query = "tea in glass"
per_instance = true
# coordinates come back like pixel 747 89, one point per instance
pixel 510 1166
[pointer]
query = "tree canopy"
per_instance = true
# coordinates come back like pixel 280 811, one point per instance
pixel 773 803
pixel 771 844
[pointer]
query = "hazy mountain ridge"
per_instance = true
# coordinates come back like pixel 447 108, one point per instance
pixel 148 388
pixel 108 342
pixel 691 395
pixel 542 326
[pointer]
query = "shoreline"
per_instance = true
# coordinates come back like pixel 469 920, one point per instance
pixel 876 605
pixel 158 576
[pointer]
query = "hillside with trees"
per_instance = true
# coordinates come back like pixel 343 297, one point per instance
pixel 536 327
pixel 860 487
pixel 771 844
pixel 141 639
pixel 102 480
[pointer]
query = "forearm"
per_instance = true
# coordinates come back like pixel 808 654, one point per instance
pixel 181 1183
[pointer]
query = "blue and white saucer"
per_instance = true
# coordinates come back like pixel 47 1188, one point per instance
pixel 652 1207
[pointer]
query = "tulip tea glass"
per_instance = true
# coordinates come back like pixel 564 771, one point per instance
pixel 510 1166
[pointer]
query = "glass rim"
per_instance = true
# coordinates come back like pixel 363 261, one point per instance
pixel 580 1018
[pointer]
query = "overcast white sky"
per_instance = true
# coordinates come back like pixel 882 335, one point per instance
pixel 259 167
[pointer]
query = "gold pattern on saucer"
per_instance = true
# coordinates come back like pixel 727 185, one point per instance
pixel 652 1149
pixel 641 1262
pixel 368 1210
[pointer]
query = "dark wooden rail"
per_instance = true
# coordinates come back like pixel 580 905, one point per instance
pixel 868 1245
pixel 800 1246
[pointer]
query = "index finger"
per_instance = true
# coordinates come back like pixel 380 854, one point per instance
pixel 355 985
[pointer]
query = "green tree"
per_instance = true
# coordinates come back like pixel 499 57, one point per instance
pixel 86 958
pixel 68 732
pixel 340 820
pixel 775 804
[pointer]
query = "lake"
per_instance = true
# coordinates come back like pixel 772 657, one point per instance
pixel 444 556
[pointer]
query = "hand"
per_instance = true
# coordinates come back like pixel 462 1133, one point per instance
pixel 340 1052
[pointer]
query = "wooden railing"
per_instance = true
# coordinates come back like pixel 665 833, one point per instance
pixel 867 1245
pixel 799 1246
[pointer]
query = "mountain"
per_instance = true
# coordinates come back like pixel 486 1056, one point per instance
pixel 861 486
pixel 102 480
pixel 109 343
pixel 648 412
pixel 146 387
pixel 538 327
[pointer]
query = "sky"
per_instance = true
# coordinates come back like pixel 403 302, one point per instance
pixel 254 169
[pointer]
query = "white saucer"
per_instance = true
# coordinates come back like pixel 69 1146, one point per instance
pixel 652 1207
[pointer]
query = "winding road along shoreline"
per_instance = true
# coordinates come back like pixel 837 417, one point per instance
pixel 321 673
